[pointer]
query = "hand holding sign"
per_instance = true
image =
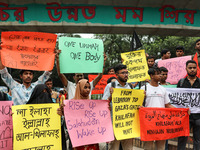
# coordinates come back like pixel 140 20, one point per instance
pixel 28 50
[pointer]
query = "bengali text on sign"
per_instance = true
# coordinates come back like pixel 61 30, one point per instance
pixel 28 50
pixel 36 126
pixel 137 65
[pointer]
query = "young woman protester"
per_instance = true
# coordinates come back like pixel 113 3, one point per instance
pixel 41 94
pixel 82 92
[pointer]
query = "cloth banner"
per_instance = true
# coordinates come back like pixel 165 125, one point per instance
pixel 185 98
pixel 6 125
pixel 88 121
pixel 163 123
pixel 36 126
pixel 99 88
pixel 81 55
pixel 176 68
pixel 28 50
pixel 125 104
pixel 136 65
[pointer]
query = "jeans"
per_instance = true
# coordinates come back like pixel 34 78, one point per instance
pixel 195 124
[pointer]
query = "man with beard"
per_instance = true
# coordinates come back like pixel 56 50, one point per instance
pixel 21 92
pixel 121 82
pixel 191 81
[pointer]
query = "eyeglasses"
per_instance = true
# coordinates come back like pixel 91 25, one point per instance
pixel 124 73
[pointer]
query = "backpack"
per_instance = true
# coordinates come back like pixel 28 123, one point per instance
pixel 182 81
pixel 114 85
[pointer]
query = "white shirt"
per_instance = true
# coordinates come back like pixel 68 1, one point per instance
pixel 106 93
pixel 156 96
pixel 71 89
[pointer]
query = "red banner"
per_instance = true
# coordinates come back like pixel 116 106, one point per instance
pixel 99 88
pixel 163 123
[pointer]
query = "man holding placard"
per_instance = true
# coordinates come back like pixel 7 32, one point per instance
pixel 191 81
pixel 156 96
pixel 121 82
pixel 21 92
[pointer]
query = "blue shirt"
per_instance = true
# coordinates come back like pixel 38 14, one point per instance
pixel 21 94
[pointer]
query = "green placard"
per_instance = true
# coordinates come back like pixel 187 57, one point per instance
pixel 81 55
pixel 170 86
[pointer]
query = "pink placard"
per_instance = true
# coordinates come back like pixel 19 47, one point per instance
pixel 88 121
pixel 6 125
pixel 176 68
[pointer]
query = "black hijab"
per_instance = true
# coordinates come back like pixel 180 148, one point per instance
pixel 41 94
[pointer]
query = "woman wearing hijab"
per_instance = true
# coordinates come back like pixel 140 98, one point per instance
pixel 40 95
pixel 82 92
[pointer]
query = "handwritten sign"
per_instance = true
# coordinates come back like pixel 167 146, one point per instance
pixel 176 68
pixel 82 55
pixel 125 104
pixel 185 98
pixel 163 123
pixel 88 121
pixel 137 65
pixel 28 50
pixel 6 125
pixel 36 126
pixel 99 88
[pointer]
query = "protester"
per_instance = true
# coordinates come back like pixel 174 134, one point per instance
pixel 21 92
pixel 191 81
pixel 150 61
pixel 165 54
pixel 83 89
pixel 61 97
pixel 121 82
pixel 69 86
pixel 196 57
pixel 164 74
pixel 54 94
pixel 156 96
pixel 40 95
pixel 111 79
pixel 111 70
pixel 179 51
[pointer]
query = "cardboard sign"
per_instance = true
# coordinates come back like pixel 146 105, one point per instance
pixel 88 121
pixel 176 68
pixel 81 55
pixel 169 86
pixel 185 98
pixel 6 125
pixel 99 88
pixel 28 50
pixel 163 123
pixel 125 104
pixel 137 65
pixel 36 126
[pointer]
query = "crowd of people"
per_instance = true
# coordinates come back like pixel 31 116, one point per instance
pixel 26 92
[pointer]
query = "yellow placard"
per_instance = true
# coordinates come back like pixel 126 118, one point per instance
pixel 36 126
pixel 125 103
pixel 137 65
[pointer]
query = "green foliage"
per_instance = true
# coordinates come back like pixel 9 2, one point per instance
pixel 116 44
